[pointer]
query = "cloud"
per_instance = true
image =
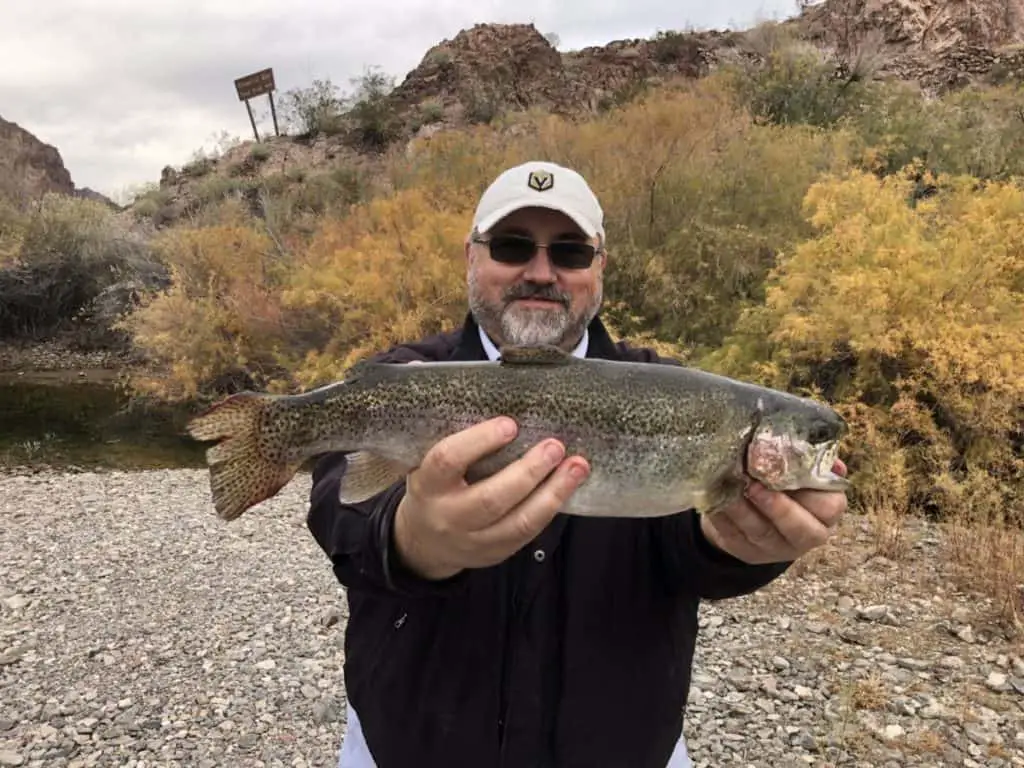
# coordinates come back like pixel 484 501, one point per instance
pixel 124 88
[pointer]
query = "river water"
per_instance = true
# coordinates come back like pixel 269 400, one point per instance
pixel 88 424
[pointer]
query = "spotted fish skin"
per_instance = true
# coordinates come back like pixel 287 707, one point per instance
pixel 660 439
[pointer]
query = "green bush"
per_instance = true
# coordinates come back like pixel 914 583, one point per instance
pixel 71 250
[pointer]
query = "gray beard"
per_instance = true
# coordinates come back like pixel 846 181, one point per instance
pixel 509 324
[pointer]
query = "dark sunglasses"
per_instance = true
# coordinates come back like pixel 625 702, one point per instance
pixel 564 254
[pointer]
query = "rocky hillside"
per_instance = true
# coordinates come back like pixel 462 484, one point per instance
pixel 937 43
pixel 481 73
pixel 30 168
pixel 491 69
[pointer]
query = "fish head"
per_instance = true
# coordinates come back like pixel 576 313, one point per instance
pixel 794 445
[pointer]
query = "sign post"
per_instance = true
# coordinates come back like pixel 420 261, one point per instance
pixel 257 84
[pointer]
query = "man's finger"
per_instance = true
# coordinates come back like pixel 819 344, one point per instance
pixel 488 500
pixel 725 535
pixel 826 506
pixel 794 524
pixel 755 527
pixel 524 522
pixel 445 465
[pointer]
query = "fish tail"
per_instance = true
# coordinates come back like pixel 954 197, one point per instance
pixel 241 474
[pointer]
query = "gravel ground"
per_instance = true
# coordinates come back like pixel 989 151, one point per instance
pixel 138 630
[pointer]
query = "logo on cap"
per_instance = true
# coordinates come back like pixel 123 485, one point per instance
pixel 540 180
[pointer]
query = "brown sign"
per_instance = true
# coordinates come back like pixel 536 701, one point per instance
pixel 256 84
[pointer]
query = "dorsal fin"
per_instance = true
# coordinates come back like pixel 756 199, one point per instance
pixel 534 354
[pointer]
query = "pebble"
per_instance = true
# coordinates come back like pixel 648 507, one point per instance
pixel 232 655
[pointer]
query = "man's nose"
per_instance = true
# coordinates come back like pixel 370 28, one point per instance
pixel 539 269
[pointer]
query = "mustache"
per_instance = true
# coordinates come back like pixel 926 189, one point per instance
pixel 534 291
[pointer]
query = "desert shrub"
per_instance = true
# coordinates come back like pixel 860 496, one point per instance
pixel 977 131
pixel 240 315
pixel 432 111
pixel 216 188
pixel 392 271
pixel 365 116
pixel 259 153
pixel 71 250
pixel 911 319
pixel 672 46
pixel 12 226
pixel 374 123
pixel 789 82
pixel 150 201
pixel 312 110
pixel 219 325
pixel 290 205
pixel 330 190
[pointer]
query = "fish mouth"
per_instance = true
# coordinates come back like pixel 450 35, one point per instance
pixel 823 476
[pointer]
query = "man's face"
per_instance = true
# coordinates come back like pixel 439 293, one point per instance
pixel 535 302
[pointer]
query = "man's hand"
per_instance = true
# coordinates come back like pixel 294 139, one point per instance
pixel 774 527
pixel 444 525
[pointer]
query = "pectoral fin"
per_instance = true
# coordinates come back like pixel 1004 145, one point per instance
pixel 366 475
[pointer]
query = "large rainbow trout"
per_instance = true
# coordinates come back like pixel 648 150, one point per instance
pixel 659 438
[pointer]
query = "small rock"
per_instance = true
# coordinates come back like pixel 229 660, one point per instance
pixel 996 681
pixel 248 740
pixel 15 603
pixel 852 635
pixel 964 633
pixel 892 732
pixel 873 612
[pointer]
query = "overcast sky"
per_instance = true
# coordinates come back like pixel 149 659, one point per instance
pixel 123 88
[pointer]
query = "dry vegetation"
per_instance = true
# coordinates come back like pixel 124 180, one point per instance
pixel 808 230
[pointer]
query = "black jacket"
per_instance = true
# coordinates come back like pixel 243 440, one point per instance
pixel 576 652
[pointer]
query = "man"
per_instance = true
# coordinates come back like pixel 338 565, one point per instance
pixel 485 629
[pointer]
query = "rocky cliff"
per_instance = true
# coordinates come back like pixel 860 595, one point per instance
pixel 29 167
pixel 940 44
pixel 491 67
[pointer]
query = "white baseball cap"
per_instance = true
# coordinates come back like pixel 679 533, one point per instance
pixel 543 185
